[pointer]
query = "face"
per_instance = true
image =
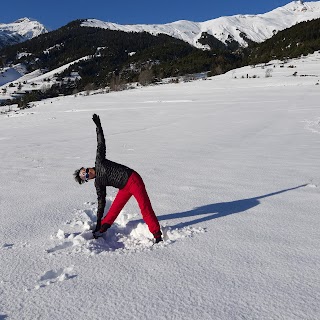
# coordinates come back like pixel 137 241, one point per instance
pixel 87 174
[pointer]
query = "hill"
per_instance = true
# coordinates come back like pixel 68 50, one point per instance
pixel 88 54
pixel 230 32
pixel 100 57
pixel 301 39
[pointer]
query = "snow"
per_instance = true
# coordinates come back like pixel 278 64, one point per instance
pixel 51 74
pixel 25 27
pixel 10 78
pixel 257 28
pixel 231 165
pixel 11 74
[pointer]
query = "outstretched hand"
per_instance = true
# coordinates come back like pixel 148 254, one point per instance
pixel 96 119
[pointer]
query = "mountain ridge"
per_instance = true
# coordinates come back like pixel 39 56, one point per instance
pixel 232 31
pixel 76 58
pixel 19 31
pixel 237 28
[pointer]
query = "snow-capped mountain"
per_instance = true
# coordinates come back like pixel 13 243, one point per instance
pixel 237 28
pixel 19 31
pixel 27 68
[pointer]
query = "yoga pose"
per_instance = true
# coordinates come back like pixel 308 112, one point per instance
pixel 109 173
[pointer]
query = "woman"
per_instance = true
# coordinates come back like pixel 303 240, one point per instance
pixel 109 173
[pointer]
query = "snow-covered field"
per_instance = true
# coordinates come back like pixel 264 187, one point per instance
pixel 232 169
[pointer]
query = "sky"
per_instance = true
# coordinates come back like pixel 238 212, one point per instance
pixel 55 14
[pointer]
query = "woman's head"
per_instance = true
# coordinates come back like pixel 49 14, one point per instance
pixel 82 175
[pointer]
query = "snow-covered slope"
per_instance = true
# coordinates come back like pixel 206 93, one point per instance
pixel 20 30
pixel 231 165
pixel 12 73
pixel 13 77
pixel 257 28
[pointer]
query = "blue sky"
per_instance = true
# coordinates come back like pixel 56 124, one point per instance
pixel 56 13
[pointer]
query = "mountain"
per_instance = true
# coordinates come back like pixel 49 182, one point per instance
pixel 233 32
pixel 76 58
pixel 225 32
pixel 301 39
pixel 90 54
pixel 19 31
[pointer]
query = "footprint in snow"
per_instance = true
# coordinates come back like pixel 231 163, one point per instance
pixel 8 246
pixel 54 276
pixel 61 246
pixel 128 234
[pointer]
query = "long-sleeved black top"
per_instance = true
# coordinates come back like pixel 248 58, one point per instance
pixel 108 173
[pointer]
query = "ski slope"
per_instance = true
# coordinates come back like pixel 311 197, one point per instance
pixel 232 169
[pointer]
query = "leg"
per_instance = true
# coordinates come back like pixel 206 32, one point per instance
pixel 139 191
pixel 118 203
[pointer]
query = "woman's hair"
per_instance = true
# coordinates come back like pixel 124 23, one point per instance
pixel 77 176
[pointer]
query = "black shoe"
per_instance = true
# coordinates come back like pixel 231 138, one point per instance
pixel 101 231
pixel 97 234
pixel 158 239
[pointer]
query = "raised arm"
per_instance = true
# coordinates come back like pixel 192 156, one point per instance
pixel 101 143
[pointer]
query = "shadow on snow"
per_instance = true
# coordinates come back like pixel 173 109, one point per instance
pixel 218 210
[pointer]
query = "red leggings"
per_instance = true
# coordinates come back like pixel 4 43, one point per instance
pixel 135 187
